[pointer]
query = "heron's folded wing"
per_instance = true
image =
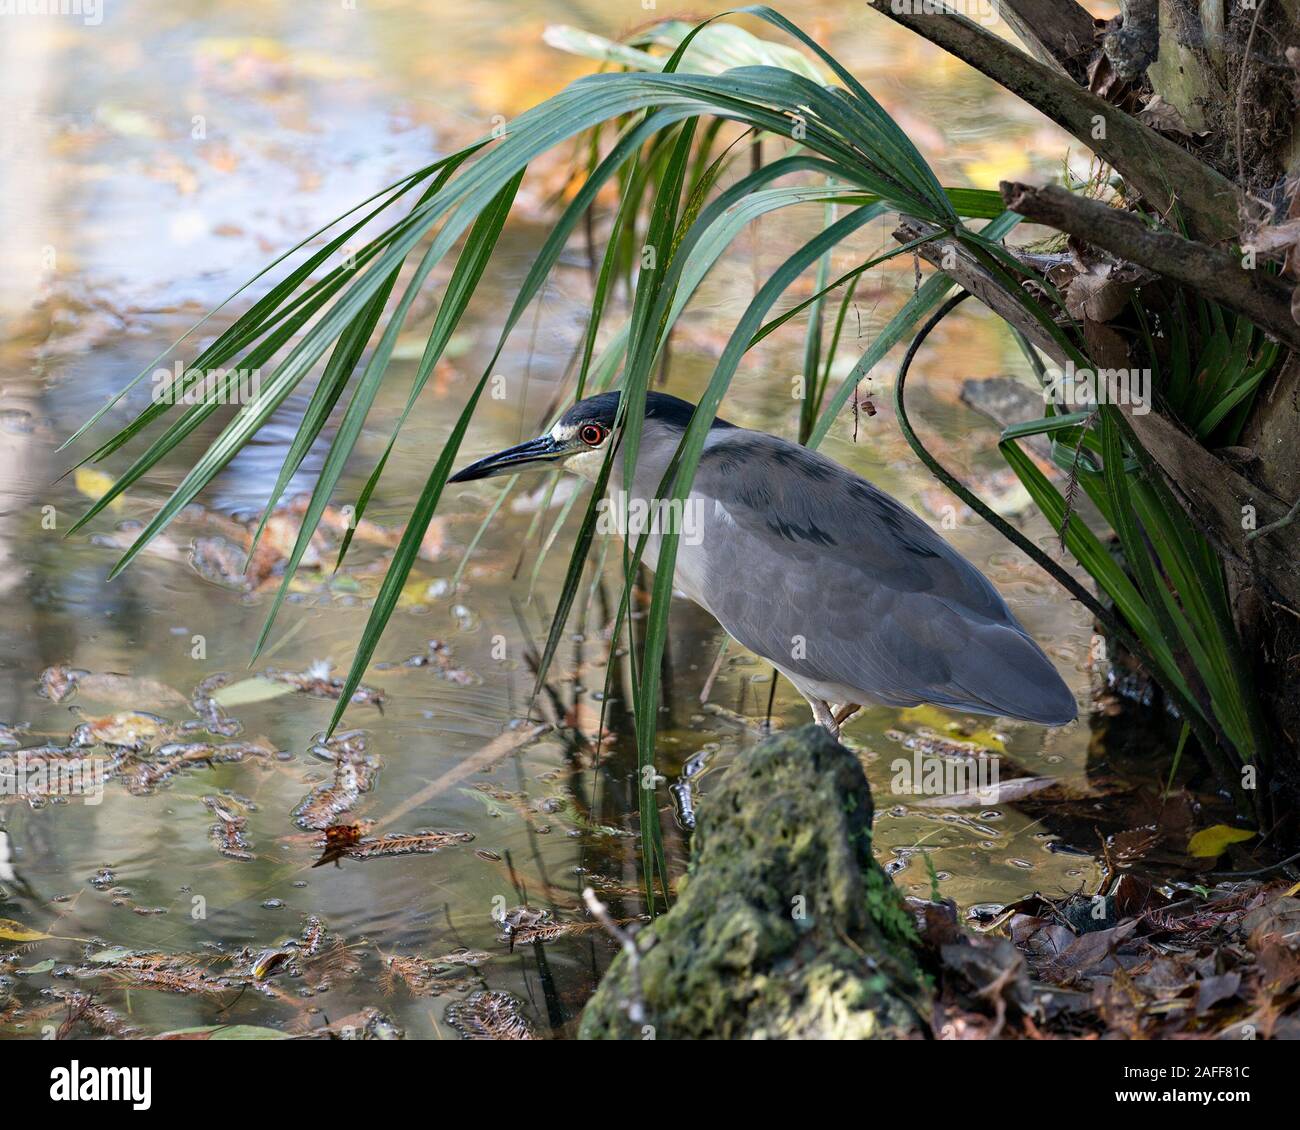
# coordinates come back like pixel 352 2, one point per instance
pixel 814 568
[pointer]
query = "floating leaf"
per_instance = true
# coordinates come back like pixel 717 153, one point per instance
pixel 125 730
pixel 94 483
pixel 110 955
pixel 225 1032
pixel 11 931
pixel 246 691
pixel 125 692
pixel 1212 841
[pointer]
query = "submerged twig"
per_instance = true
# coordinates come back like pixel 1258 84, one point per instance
pixel 500 747
pixel 636 1005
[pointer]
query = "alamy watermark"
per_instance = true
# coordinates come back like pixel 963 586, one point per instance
pixel 632 517
pixel 90 12
pixel 179 385
pixel 985 12
pixel 38 777
pixel 928 775
pixel 76 1083
pixel 1083 389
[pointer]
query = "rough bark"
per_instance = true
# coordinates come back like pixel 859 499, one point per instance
pixel 1273 430
pixel 1059 33
pixel 1222 66
pixel 955 260
pixel 1161 170
pixel 1134 45
pixel 1185 74
pixel 1219 275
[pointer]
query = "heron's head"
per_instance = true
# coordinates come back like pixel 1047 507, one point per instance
pixel 580 439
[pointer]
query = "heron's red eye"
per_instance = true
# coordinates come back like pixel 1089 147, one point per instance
pixel 591 434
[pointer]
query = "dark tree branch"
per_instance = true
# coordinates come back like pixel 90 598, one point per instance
pixel 1218 500
pixel 1215 496
pixel 1261 297
pixel 1135 44
pixel 1163 172
pixel 1059 33
pixel 956 261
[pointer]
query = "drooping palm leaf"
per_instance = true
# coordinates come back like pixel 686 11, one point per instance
pixel 662 120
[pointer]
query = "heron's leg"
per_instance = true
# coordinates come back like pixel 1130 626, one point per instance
pixel 823 716
pixel 845 712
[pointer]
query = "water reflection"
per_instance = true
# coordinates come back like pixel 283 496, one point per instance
pixel 156 162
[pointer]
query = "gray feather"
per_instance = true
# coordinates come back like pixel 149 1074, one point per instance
pixel 837 583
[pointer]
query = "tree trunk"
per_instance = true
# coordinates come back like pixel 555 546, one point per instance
pixel 1225 68
pixel 1194 103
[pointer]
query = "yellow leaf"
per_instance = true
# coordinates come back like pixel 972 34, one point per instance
pixel 94 483
pixel 941 722
pixel 1292 891
pixel 11 931
pixel 1212 841
pixel 414 593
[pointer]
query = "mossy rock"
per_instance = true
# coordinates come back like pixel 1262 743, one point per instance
pixel 786 927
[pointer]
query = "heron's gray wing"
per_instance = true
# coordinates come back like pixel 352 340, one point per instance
pixel 809 565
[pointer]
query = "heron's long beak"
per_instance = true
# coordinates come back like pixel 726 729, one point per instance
pixel 536 453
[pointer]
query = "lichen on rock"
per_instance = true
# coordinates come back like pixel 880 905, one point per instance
pixel 786 927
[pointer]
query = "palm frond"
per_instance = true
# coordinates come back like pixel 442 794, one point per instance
pixel 655 132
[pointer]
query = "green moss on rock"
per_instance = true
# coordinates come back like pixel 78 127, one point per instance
pixel 787 929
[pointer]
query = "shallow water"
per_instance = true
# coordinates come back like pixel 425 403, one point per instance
pixel 121 226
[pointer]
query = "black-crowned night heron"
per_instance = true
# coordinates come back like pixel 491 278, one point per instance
pixel 841 588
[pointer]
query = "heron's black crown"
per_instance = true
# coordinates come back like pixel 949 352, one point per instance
pixel 602 408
